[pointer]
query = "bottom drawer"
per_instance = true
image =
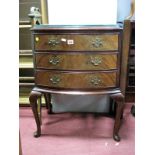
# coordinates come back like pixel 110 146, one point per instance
pixel 75 80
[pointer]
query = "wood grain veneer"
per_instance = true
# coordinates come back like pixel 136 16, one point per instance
pixel 78 80
pixel 74 61
pixel 80 42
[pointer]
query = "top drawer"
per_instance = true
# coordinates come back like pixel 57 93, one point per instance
pixel 76 42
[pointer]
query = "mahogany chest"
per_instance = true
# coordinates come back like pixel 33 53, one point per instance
pixel 77 60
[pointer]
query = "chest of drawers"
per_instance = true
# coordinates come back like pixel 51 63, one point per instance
pixel 77 60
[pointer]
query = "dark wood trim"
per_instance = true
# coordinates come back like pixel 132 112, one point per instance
pixel 125 53
pixel 78 32
pixel 131 61
pixel 72 92
pixel 47 28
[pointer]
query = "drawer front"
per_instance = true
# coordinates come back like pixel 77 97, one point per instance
pixel 70 80
pixel 76 61
pixel 104 42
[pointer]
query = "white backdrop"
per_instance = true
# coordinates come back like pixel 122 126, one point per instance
pixel 82 12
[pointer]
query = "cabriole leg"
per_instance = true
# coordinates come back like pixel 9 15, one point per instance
pixel 34 96
pixel 48 102
pixel 119 99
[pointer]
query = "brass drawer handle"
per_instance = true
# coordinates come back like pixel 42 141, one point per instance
pixel 97 42
pixel 95 60
pixel 54 60
pixel 55 79
pixel 53 42
pixel 95 80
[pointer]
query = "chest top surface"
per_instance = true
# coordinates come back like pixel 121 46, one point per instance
pixel 76 27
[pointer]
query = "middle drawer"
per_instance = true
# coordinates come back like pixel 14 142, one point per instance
pixel 72 61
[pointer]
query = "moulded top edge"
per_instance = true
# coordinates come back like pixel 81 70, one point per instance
pixel 76 27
